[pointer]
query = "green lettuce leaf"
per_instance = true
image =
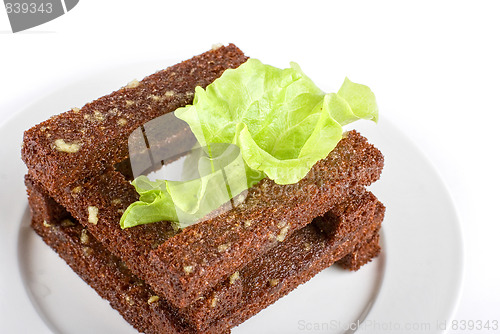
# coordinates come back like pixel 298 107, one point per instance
pixel 279 119
pixel 219 175
pixel 282 122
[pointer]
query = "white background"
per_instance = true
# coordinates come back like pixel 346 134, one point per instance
pixel 433 65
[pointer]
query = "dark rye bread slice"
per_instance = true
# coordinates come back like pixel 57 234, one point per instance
pixel 347 217
pixel 290 264
pixel 81 143
pixel 183 267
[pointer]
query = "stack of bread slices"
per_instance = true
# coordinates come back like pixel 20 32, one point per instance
pixel 213 275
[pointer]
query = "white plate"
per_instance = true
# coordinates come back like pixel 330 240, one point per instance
pixel 412 287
